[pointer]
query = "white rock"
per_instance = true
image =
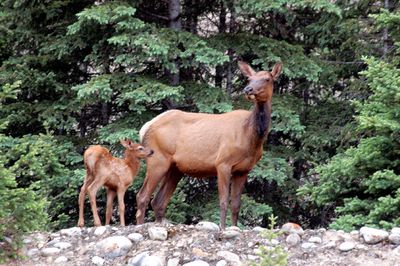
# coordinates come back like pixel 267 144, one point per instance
pixel 208 226
pixel 62 245
pixel 395 230
pixel 252 257
pixel 96 260
pixel 372 235
pixel 196 263
pixel 47 252
pixel 74 231
pixel 259 229
pixel 394 239
pixel 61 259
pixel 222 263
pixel 137 260
pixel 158 233
pixel 32 252
pixel 293 239
pixel 114 246
pixel 361 247
pixel 54 235
pixel 228 234
pixel 136 237
pixel 100 230
pixel 292 228
pixel 151 261
pixel 274 242
pixel 346 246
pixel 308 245
pixel 354 233
pixel 315 239
pixel 27 241
pixel 234 228
pixel 229 256
pixel 173 262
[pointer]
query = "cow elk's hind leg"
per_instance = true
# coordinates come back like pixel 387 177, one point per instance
pixel 110 199
pixel 93 188
pixel 224 175
pixel 121 204
pixel 153 177
pixel 160 201
pixel 237 186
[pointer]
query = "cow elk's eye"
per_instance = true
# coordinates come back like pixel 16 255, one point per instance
pixel 140 148
pixel 267 79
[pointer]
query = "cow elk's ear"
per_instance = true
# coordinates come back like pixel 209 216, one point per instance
pixel 276 71
pixel 246 69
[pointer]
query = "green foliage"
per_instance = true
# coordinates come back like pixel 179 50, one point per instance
pixel 364 179
pixel 271 255
pixel 21 211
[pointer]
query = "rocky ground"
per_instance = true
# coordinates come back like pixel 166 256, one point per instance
pixel 204 244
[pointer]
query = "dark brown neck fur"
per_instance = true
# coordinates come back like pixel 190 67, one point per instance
pixel 260 119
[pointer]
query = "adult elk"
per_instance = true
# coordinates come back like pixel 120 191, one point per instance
pixel 114 173
pixel 203 145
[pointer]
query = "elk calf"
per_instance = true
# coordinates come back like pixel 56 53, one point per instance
pixel 114 173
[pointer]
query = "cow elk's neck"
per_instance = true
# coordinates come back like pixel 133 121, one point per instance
pixel 260 120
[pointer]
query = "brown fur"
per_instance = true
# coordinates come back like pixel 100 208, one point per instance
pixel 114 173
pixel 202 145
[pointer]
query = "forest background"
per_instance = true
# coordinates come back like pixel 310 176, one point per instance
pixel 75 73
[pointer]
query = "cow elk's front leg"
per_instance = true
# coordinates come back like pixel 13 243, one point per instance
pixel 224 175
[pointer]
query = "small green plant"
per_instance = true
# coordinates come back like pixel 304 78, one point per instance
pixel 271 255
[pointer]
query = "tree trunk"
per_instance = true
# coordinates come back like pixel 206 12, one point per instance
pixel 385 33
pixel 174 10
pixel 232 30
pixel 219 70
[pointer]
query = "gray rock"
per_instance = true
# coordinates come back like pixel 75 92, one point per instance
pixel 62 245
pixel 32 252
pixel 61 259
pixel 196 263
pixel 54 241
pixel 346 246
pixel 228 234
pixel 222 263
pixel 293 239
pixel 74 231
pixel 208 226
pixel 372 235
pixel 329 245
pixel 100 230
pixel 396 251
pixel 114 246
pixel 158 233
pixel 136 237
pixel 315 239
pixel 229 256
pixel 137 260
pixel 47 252
pixel 290 228
pixel 308 245
pixel 173 262
pixel 394 239
pixel 96 260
